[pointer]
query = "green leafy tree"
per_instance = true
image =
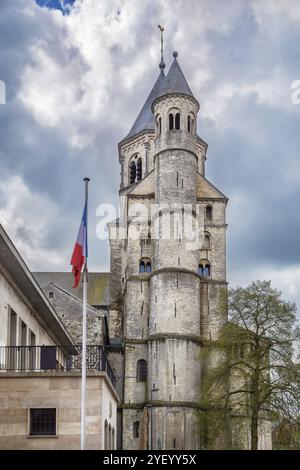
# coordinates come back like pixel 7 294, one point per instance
pixel 252 374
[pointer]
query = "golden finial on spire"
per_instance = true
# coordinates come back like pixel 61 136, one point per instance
pixel 162 64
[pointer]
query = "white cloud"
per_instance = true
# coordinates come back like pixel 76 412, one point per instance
pixel 89 72
pixel 71 80
pixel 286 279
pixel 274 16
pixel 28 216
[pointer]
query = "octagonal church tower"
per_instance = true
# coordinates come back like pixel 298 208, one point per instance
pixel 168 268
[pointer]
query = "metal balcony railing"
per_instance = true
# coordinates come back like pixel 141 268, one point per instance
pixel 59 358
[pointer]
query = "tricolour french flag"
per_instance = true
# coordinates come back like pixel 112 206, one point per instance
pixel 80 251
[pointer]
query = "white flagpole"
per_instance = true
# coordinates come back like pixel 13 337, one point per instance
pixel 83 365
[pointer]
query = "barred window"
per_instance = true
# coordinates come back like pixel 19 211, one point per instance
pixel 141 370
pixel 42 422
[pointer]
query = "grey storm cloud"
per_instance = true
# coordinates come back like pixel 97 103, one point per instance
pixel 76 83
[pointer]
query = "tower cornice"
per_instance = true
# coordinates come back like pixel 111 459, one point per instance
pixel 182 149
pixel 175 269
pixel 175 95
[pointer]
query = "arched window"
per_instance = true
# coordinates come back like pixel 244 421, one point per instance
pixel 148 267
pixel 105 435
pixel 141 370
pixel 132 173
pixel 109 436
pixel 200 269
pixel 136 429
pixel 207 241
pixel 206 271
pixel 177 121
pixel 190 123
pixel 142 267
pixel 171 122
pixel 139 169
pixel 208 213
pixel 204 268
pixel 158 124
pixel 145 266
pixel 113 439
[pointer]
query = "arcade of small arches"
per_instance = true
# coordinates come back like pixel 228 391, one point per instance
pixel 175 122
pixel 145 266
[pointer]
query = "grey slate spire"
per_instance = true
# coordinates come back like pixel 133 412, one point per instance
pixel 145 119
pixel 175 81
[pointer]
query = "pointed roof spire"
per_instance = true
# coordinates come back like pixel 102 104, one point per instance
pixel 175 81
pixel 145 119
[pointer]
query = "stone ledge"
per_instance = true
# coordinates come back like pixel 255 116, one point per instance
pixel 141 277
pixel 162 404
pixel 174 269
pixel 59 374
pixel 179 148
pixel 135 341
pixel 164 336
pixel 48 373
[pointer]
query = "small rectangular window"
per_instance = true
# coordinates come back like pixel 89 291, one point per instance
pixel 136 429
pixel 42 422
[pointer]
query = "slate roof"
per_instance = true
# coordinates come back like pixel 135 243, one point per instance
pixel 145 119
pixel 174 82
pixel 98 285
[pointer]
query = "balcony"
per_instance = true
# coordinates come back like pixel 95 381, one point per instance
pixel 54 358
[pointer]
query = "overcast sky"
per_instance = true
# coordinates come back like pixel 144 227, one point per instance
pixel 76 77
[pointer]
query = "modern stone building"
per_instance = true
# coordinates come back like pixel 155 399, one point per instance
pixel 165 287
pixel 40 365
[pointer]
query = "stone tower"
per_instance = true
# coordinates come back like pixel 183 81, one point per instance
pixel 168 268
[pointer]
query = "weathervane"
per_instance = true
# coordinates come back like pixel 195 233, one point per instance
pixel 162 64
